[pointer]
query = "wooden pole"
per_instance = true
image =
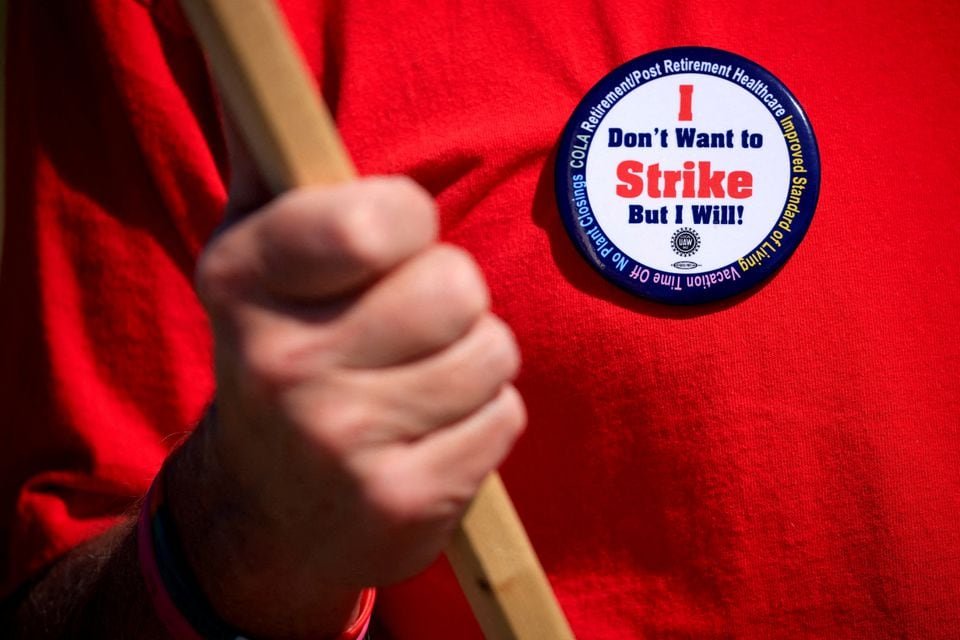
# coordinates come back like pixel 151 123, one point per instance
pixel 278 109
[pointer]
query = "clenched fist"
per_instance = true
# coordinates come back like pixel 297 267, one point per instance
pixel 363 393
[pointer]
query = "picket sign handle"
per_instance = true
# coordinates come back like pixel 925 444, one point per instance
pixel 289 131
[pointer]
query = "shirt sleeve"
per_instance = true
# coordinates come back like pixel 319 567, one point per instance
pixel 115 167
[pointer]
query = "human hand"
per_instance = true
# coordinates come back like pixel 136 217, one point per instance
pixel 363 393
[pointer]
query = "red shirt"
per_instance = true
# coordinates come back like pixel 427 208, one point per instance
pixel 780 464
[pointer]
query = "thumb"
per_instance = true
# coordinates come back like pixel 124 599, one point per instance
pixel 315 244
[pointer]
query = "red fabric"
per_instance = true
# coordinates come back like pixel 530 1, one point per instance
pixel 784 464
pixel 111 191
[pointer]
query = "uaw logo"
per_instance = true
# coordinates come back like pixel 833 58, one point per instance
pixel 687 175
pixel 685 241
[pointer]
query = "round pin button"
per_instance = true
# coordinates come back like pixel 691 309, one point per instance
pixel 687 175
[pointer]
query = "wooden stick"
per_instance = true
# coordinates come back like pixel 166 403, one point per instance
pixel 500 573
pixel 278 109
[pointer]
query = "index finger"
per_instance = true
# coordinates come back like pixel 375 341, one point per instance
pixel 314 244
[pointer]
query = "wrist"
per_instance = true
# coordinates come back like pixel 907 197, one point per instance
pixel 252 578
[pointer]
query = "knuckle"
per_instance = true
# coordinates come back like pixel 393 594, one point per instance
pixel 457 281
pixel 500 350
pixel 386 215
pixel 513 414
pixel 364 234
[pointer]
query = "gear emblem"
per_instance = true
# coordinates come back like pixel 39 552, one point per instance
pixel 685 242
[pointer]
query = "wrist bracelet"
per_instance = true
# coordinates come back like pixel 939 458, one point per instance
pixel 174 592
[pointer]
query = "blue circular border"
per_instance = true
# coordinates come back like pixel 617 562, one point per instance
pixel 719 290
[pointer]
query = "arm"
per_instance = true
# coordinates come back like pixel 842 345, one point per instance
pixel 332 463
pixel 363 394
pixel 78 597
